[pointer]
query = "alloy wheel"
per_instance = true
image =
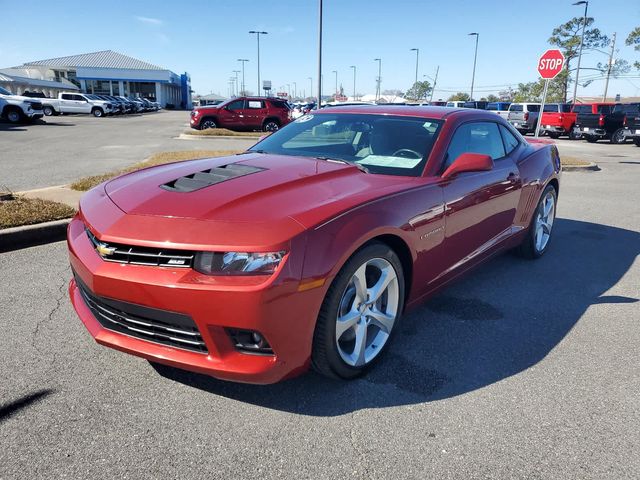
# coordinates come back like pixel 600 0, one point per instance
pixel 270 127
pixel 208 124
pixel 13 117
pixel 544 221
pixel 367 312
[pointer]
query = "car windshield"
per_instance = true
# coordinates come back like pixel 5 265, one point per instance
pixel 383 144
pixel 92 97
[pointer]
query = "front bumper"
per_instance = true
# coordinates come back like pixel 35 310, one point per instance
pixel 272 306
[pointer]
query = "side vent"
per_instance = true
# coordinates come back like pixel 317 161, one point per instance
pixel 206 178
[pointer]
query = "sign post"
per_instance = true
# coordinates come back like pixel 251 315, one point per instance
pixel 549 66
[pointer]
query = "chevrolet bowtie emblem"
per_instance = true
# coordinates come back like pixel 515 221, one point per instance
pixel 105 250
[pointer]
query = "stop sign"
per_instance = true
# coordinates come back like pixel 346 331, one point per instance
pixel 550 63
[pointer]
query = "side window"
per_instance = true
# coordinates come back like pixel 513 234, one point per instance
pixel 515 108
pixel 79 98
pixel 237 105
pixel 606 109
pixel 510 140
pixel 475 137
pixel 256 104
pixel 66 96
pixel 533 108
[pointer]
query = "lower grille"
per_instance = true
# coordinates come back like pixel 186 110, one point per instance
pixel 159 326
pixel 36 105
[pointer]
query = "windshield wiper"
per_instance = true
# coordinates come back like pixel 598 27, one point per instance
pixel 252 151
pixel 362 168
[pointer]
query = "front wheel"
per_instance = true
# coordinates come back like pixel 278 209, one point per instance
pixel 97 112
pixel 359 314
pixel 208 124
pixel 538 237
pixel 14 116
pixel 270 126
pixel 636 141
pixel 618 137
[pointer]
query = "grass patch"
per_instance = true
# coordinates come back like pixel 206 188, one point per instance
pixel 569 161
pixel 28 211
pixel 88 183
pixel 216 132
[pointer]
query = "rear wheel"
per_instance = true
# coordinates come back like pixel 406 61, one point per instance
pixel 574 134
pixel 47 110
pixel 208 123
pixel 538 237
pixel 636 140
pixel 591 138
pixel 554 135
pixel 359 314
pixel 618 137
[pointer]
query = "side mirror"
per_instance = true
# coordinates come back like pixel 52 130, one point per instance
pixel 469 162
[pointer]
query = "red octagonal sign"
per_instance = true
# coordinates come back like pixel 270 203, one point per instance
pixel 550 63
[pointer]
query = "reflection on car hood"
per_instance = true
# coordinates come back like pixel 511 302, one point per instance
pixel 283 188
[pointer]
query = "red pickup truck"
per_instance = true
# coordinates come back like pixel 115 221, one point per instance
pixel 560 118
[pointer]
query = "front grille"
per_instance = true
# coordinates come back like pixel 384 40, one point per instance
pixel 36 105
pixel 115 252
pixel 158 326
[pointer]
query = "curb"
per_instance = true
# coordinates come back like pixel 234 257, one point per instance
pixel 591 167
pixel 186 136
pixel 30 235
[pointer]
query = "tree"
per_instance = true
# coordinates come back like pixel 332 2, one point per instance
pixel 461 96
pixel 419 90
pixel 492 98
pixel 567 38
pixel 634 39
pixel 507 95
pixel 532 91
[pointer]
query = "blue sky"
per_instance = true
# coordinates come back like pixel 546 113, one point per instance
pixel 205 38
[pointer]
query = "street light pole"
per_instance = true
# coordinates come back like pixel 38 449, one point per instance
pixel 319 104
pixel 258 33
pixel 417 50
pixel 379 77
pixel 237 72
pixel 354 81
pixel 311 84
pixel 294 90
pixel 609 66
pixel 475 58
pixel 584 25
pixel 435 82
pixel 243 60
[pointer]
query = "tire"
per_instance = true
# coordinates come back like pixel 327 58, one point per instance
pixel 618 138
pixel 335 352
pixel 97 112
pixel 555 136
pixel 208 123
pixel 574 135
pixel 48 111
pixel 636 141
pixel 14 116
pixel 541 224
pixel 590 138
pixel 270 126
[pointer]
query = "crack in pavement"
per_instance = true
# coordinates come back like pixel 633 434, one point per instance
pixel 58 303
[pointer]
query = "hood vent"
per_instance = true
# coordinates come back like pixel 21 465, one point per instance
pixel 206 178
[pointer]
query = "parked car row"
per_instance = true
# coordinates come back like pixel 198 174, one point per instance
pixel 96 105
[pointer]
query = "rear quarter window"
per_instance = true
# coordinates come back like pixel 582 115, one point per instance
pixel 515 108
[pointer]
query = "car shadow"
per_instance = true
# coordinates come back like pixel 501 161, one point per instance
pixel 497 322
pixel 11 127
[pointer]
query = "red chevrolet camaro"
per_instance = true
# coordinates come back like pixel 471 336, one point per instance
pixel 306 249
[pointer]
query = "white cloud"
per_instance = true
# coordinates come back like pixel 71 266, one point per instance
pixel 149 20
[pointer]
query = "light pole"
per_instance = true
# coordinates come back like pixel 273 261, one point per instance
pixel 319 104
pixel 336 72
pixel 258 33
pixel 417 50
pixel 311 88
pixel 354 81
pixel 243 60
pixel 435 82
pixel 475 57
pixel 379 77
pixel 584 25
pixel 294 90
pixel 237 72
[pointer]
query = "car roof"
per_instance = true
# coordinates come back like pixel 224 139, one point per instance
pixel 434 112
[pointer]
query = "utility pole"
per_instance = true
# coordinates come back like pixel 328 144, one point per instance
pixel 237 72
pixel 294 90
pixel 354 81
pixel 243 60
pixel 475 58
pixel 319 104
pixel 379 77
pixel 584 25
pixel 417 50
pixel 311 86
pixel 258 37
pixel 336 72
pixel 435 82
pixel 609 67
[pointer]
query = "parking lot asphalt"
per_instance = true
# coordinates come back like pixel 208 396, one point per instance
pixel 524 369
pixel 59 150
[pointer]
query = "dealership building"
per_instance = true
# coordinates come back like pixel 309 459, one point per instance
pixel 111 73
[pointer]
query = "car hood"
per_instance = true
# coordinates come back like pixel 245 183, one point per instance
pixel 279 188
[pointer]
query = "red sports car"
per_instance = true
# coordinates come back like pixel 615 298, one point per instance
pixel 307 249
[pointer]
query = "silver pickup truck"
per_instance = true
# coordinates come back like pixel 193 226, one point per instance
pixel 523 116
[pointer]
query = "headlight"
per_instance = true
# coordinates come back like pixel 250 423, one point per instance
pixel 237 263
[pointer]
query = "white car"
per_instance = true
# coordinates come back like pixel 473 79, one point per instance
pixel 72 102
pixel 16 109
pixel 456 104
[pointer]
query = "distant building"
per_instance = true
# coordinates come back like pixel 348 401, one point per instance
pixel 15 81
pixel 112 73
pixel 210 99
